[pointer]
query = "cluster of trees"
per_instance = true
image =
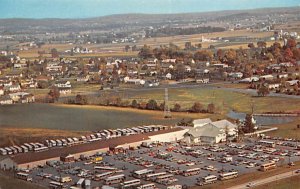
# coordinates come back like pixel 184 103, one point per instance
pixel 117 101
pixel 263 90
pixel 53 95
pixel 199 108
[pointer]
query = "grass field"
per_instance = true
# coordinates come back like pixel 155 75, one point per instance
pixel 287 130
pixel 224 100
pixel 11 183
pixel 289 183
pixel 12 136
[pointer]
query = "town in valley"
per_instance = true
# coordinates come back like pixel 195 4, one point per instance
pixel 150 99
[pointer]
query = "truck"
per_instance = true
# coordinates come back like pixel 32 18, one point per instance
pixel 147 144
pixel 65 179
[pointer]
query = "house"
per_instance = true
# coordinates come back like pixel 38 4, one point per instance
pixel 151 83
pixel 83 78
pixel 53 66
pixel 188 68
pixel 208 133
pixel 65 90
pixel 202 80
pixel 134 81
pixel 20 65
pixel 22 97
pixel 63 84
pixel 5 100
pixel 273 86
pixel 169 61
pixel 13 88
pixel 236 75
pixel 13 75
pixel 6 163
pixel 1 90
pixel 266 77
pixel 28 99
pixel 169 76
pixel 220 65
pixel 292 82
pixel 249 80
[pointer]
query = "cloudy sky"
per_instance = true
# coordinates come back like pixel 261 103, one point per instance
pixel 94 8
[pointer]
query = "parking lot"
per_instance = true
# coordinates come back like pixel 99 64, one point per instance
pixel 174 159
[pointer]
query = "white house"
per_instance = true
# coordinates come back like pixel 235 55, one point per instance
pixel 168 76
pixel 63 84
pixel 13 88
pixel 249 80
pixel 208 133
pixel 1 91
pixel 65 90
pixel 236 75
pixel 134 81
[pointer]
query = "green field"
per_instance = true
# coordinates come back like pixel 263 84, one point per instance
pixel 224 100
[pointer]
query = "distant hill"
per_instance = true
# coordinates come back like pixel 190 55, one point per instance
pixel 128 20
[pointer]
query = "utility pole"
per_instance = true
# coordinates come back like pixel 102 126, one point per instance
pixel 167 112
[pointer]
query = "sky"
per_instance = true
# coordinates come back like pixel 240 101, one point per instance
pixel 95 8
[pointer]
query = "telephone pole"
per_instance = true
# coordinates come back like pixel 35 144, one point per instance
pixel 167 112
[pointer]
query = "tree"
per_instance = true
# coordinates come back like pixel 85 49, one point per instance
pixel 261 44
pixel 203 55
pixel 251 46
pixel 248 125
pixel 134 104
pixel 54 53
pixel 288 54
pixel 211 108
pixel 230 55
pixel 199 46
pixel 197 107
pixel 263 90
pixel 42 84
pixel 146 52
pixel 81 99
pixel 127 47
pixel 291 43
pixel 54 93
pixel 188 45
pixel 219 54
pixel 176 107
pixel 151 105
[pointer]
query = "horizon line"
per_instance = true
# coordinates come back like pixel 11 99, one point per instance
pixel 136 13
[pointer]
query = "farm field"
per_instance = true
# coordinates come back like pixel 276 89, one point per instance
pixel 107 50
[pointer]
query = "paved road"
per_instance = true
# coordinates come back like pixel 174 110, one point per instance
pixel 266 180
